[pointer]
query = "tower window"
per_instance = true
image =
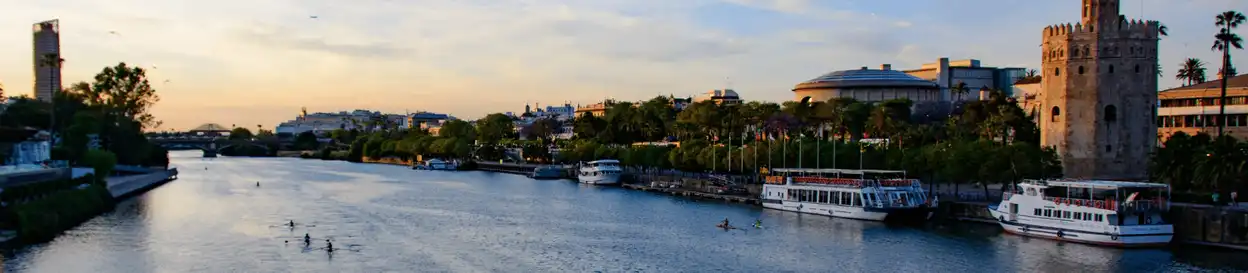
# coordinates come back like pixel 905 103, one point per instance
pixel 1080 70
pixel 1137 68
pixel 1057 71
pixel 1111 113
pixel 1057 112
pixel 1111 69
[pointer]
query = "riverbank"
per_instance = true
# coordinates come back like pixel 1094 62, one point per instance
pixel 125 186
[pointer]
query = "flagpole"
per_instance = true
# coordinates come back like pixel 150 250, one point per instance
pixel 819 148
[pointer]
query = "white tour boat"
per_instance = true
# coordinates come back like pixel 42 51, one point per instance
pixel 857 194
pixel 600 172
pixel 1088 211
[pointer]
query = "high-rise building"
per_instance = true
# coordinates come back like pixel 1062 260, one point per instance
pixel 47 36
pixel 1099 93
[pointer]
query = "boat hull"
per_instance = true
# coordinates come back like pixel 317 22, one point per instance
pixel 600 179
pixel 826 209
pixel 1085 237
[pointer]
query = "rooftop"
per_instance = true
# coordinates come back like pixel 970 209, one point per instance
pixel 1100 184
pixel 210 127
pixel 1236 86
pixel 864 77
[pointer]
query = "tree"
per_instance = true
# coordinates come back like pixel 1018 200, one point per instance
pixel 125 93
pixel 1225 40
pixel 543 129
pixel 961 89
pixel 457 128
pixel 240 133
pixel 494 127
pixel 1191 71
pixel 587 126
pixel 306 141
pixel 102 161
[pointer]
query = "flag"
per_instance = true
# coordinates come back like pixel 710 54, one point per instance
pixel 1132 197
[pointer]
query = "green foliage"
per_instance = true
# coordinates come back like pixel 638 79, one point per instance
pixel 240 133
pixel 357 150
pixel 1201 163
pixel 306 141
pixel 457 129
pixel 102 161
pixel 492 128
pixel 44 218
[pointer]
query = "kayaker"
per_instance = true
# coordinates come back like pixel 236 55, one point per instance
pixel 292 223
pixel 724 223
pixel 257 184
pixel 758 223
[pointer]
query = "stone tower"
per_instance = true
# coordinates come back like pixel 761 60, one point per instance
pixel 1099 93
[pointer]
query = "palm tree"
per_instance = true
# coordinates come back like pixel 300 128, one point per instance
pixel 53 61
pixel 960 89
pixel 1191 71
pixel 1224 40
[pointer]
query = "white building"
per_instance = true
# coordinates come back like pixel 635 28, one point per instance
pixel 725 96
pixel 323 123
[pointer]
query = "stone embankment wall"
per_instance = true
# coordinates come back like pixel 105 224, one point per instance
pixel 122 186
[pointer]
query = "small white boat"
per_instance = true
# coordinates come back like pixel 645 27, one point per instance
pixel 437 165
pixel 600 172
pixel 1088 211
pixel 873 195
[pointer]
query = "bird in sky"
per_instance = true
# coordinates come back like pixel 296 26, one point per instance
pixel 313 16
pixel 113 32
pixel 166 81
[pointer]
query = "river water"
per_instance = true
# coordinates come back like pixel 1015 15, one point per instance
pixel 392 219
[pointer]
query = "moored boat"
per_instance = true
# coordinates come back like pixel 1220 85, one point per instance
pixel 548 172
pixel 874 195
pixel 1088 211
pixel 600 172
pixel 437 165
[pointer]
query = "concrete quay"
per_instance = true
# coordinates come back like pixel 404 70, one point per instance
pixel 126 186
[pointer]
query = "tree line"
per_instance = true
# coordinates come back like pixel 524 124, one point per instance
pixel 114 107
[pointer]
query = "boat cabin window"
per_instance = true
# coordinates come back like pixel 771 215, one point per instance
pixel 1038 212
pixel 857 200
pixel 1066 214
pixel 1113 219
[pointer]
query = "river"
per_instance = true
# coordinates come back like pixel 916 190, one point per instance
pixel 392 219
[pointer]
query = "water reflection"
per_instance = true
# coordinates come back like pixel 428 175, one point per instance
pixel 388 218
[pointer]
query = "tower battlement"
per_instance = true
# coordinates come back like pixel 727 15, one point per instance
pixel 1138 29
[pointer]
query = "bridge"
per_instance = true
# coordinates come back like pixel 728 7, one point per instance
pixel 209 137
pixel 209 144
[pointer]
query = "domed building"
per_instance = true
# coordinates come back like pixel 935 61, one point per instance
pixel 868 85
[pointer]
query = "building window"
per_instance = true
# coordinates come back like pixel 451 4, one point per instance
pixel 1137 68
pixel 1111 113
pixel 1057 112
pixel 1057 71
pixel 1109 148
pixel 1086 51
pixel 1111 69
pixel 1080 70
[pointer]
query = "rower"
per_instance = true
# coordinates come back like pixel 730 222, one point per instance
pixel 724 223
pixel 307 239
pixel 257 184
pixel 329 246
pixel 292 223
pixel 758 223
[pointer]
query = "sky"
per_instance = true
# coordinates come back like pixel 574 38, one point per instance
pixel 258 62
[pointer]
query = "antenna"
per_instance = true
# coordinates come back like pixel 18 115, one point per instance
pixel 728 81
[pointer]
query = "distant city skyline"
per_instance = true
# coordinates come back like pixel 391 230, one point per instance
pixel 247 62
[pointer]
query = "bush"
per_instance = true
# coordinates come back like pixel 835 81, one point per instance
pixel 43 219
pixel 102 161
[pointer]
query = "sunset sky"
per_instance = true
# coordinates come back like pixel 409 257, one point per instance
pixel 258 61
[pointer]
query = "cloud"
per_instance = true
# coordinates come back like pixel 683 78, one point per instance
pixel 249 62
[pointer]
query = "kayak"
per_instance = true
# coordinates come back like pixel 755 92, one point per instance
pixel 724 226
